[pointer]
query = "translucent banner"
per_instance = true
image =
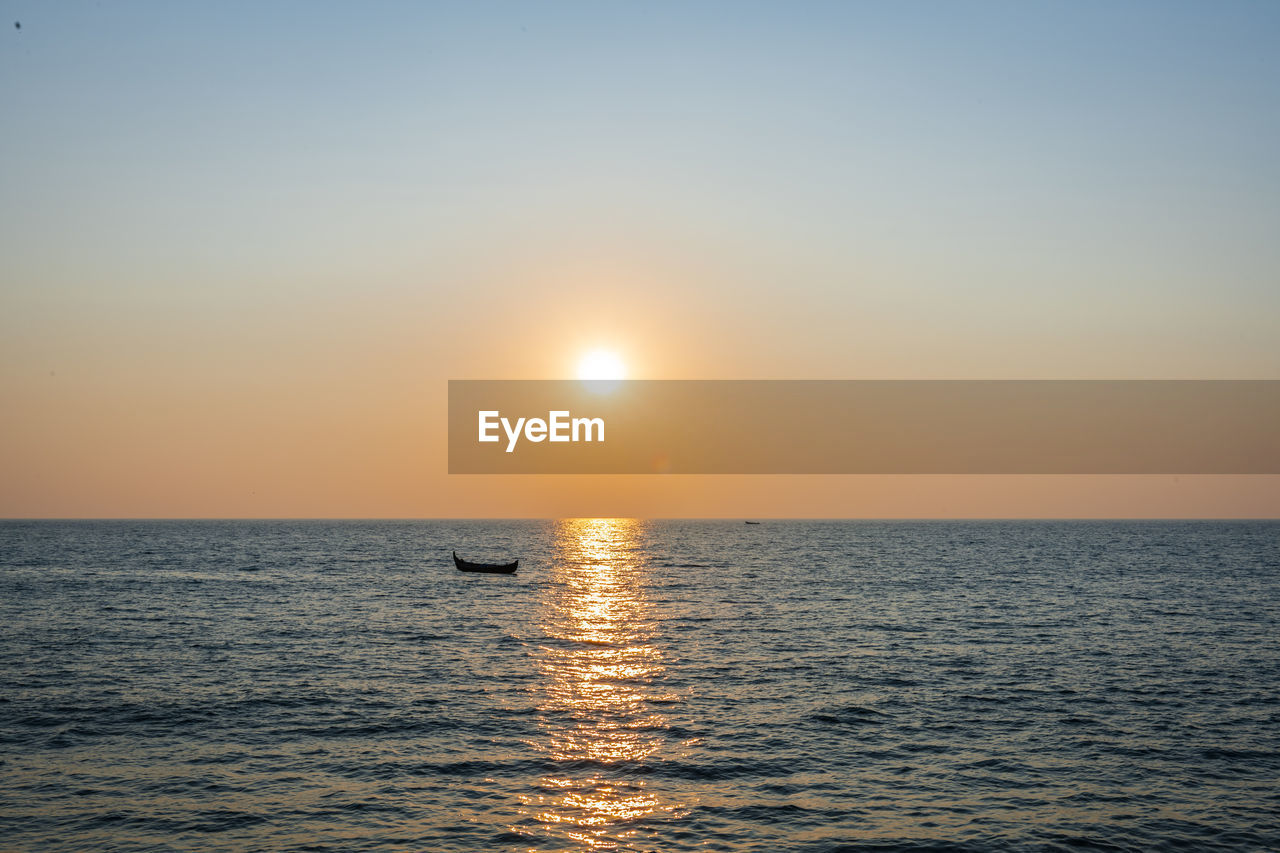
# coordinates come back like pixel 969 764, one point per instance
pixel 864 427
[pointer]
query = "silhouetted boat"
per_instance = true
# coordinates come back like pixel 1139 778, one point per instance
pixel 750 522
pixel 491 568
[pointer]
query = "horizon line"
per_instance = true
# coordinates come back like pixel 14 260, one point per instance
pixel 642 518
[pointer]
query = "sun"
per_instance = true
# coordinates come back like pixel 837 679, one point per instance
pixel 601 364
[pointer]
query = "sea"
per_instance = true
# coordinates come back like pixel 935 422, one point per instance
pixel 640 686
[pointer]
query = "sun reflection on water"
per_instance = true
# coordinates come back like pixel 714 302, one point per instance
pixel 601 675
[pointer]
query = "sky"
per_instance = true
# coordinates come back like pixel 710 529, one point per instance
pixel 243 247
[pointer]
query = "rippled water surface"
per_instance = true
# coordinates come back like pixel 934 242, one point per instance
pixel 656 686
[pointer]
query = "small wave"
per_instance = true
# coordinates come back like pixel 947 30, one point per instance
pixel 849 715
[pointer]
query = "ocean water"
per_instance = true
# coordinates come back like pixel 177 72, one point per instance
pixel 640 686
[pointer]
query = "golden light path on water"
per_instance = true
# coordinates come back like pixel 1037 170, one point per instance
pixel 600 669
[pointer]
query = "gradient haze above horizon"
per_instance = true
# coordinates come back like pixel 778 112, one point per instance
pixel 243 248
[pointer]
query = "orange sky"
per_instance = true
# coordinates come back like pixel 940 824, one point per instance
pixel 308 409
pixel 239 265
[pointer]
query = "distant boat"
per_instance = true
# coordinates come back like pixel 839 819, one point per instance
pixel 491 568
pixel 750 522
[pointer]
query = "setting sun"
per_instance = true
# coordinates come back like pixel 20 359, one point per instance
pixel 601 364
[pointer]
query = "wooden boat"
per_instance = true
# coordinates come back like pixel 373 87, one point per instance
pixel 491 568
